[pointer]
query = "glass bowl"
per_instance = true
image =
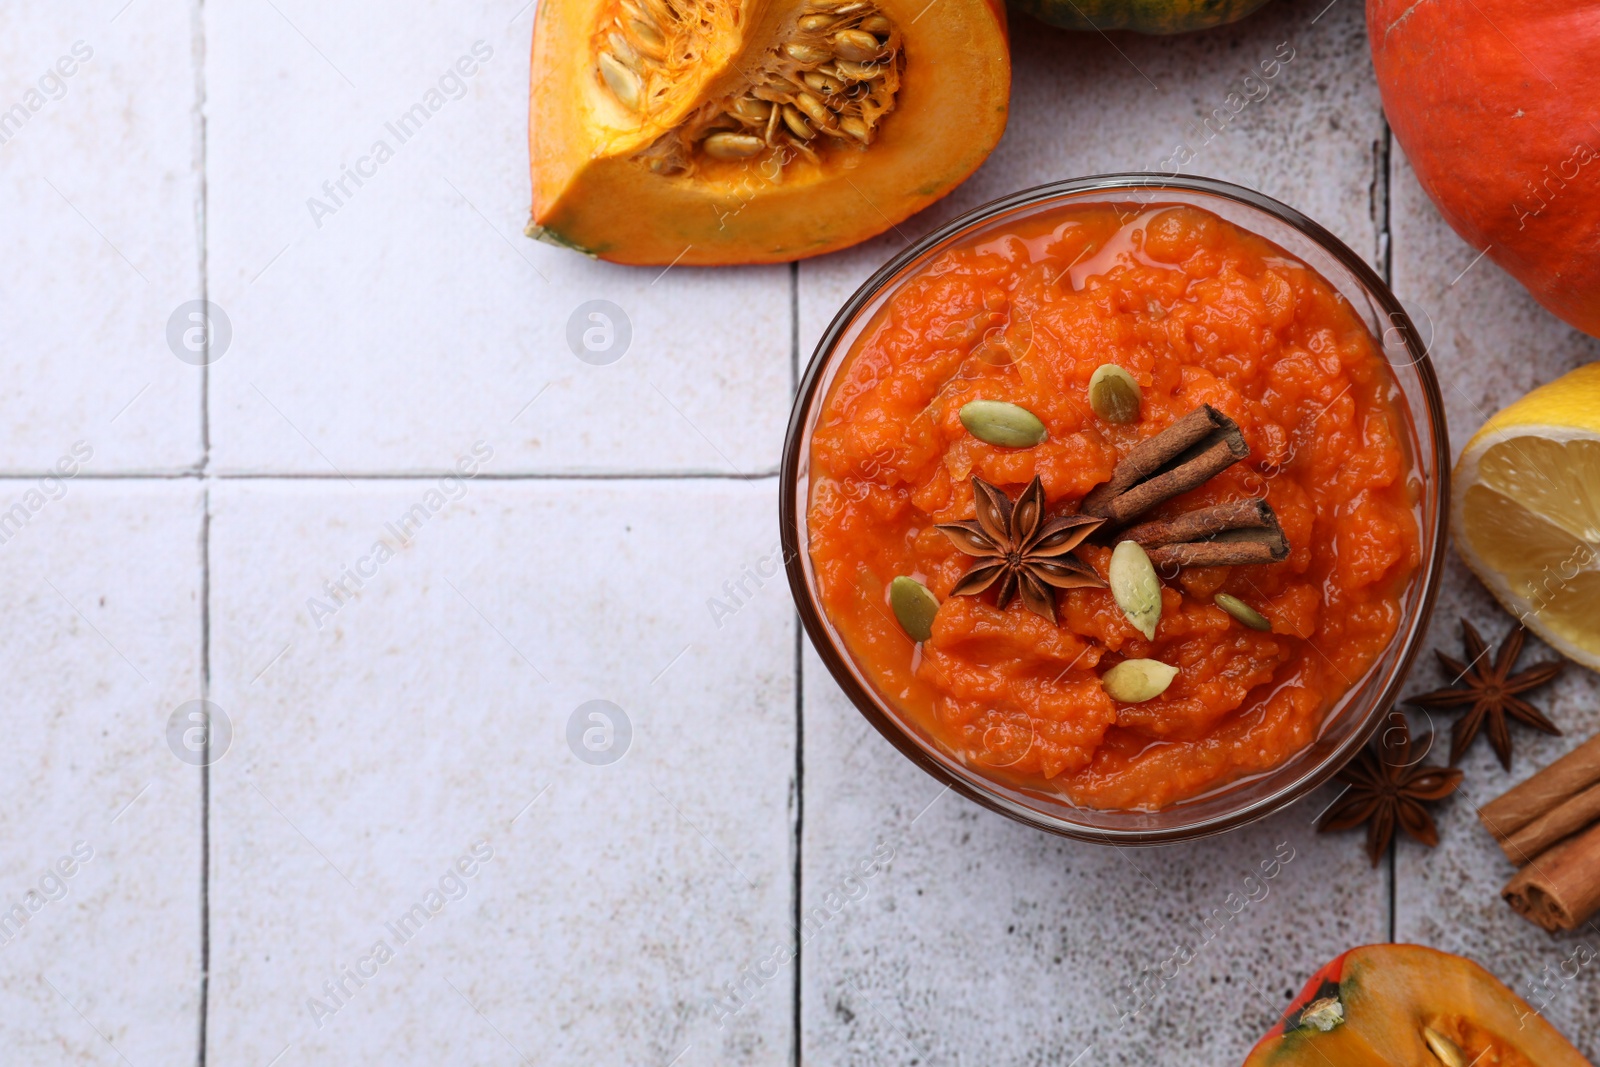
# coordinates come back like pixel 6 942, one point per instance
pixel 1351 721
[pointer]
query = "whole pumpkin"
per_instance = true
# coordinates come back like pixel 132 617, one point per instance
pixel 1141 16
pixel 1494 104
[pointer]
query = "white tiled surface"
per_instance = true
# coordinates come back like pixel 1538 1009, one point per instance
pixel 101 236
pixel 432 709
pixel 417 318
pixel 428 714
pixel 103 641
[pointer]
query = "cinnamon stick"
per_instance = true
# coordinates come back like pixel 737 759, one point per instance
pixel 1561 821
pixel 1268 547
pixel 1203 523
pixel 1191 474
pixel 1561 888
pixel 1225 535
pixel 1153 453
pixel 1182 457
pixel 1560 781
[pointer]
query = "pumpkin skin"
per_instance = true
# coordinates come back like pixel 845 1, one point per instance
pixel 1375 1001
pixel 1140 16
pixel 594 189
pixel 1512 162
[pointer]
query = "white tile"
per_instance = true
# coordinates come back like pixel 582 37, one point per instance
pixel 100 233
pixel 102 641
pixel 417 318
pixel 433 708
pixel 1091 104
pixel 984 941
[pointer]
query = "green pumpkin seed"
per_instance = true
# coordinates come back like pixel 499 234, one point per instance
pixel 997 423
pixel 1136 587
pixel 1134 681
pixel 1246 614
pixel 1114 394
pixel 914 606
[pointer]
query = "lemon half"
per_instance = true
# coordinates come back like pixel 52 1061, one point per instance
pixel 1526 511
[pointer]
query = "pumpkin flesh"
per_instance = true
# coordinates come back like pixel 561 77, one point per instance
pixel 750 131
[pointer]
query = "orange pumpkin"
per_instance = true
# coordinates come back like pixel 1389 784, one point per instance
pixel 1410 1006
pixel 755 131
pixel 1494 103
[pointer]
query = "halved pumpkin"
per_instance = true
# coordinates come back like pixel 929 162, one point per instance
pixel 755 131
pixel 1410 1006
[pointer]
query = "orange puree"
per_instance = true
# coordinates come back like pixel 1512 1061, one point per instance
pixel 1198 311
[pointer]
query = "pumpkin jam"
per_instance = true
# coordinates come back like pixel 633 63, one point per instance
pixel 1199 312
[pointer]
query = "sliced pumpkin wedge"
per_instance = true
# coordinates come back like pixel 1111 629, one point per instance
pixel 755 131
pixel 1410 1006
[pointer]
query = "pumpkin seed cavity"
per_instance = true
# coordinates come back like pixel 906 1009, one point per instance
pixel 825 88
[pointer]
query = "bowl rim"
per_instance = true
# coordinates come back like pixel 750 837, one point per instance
pixel 817 629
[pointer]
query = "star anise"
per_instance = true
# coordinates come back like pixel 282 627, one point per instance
pixel 1019 551
pixel 1491 690
pixel 1385 788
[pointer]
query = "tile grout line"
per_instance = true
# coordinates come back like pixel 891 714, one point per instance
pixel 799 701
pixel 799 823
pixel 1394 879
pixel 1385 232
pixel 794 329
pixel 205 774
pixel 202 228
pixel 198 38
